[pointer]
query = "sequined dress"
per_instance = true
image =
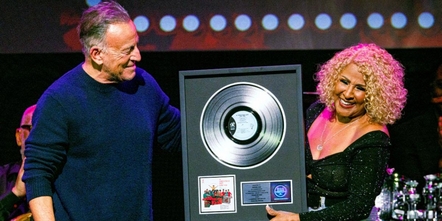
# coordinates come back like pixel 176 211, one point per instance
pixel 349 180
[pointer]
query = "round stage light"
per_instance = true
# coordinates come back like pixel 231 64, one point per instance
pixel 141 23
pixel 218 22
pixel 296 22
pixel 398 20
pixel 323 21
pixel 270 22
pixel 375 20
pixel 348 21
pixel 426 20
pixel 167 23
pixel 191 23
pixel 92 2
pixel 243 22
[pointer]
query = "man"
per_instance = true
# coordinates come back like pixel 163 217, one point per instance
pixel 90 151
pixel 13 202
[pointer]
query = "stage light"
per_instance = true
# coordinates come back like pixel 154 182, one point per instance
pixel 426 20
pixel 92 2
pixel 348 21
pixel 191 23
pixel 167 23
pixel 296 22
pixel 270 22
pixel 243 22
pixel 141 23
pixel 375 20
pixel 323 21
pixel 398 20
pixel 218 22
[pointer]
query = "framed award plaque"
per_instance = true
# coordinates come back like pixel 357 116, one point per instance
pixel 243 142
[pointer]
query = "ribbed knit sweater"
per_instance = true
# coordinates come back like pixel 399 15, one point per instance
pixel 91 146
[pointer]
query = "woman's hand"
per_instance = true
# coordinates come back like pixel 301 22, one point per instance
pixel 281 215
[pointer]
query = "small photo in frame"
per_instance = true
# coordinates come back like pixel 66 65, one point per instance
pixel 217 194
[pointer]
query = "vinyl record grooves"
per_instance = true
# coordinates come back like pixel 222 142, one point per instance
pixel 242 125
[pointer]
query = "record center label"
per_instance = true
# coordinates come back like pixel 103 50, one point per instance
pixel 243 125
pixel 266 192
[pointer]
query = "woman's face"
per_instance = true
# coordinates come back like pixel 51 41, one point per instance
pixel 350 93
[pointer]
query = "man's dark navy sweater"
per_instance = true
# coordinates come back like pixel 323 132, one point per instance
pixel 91 146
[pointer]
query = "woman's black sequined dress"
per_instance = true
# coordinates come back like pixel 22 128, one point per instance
pixel 350 180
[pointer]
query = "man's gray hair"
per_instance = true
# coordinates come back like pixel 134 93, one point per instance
pixel 96 20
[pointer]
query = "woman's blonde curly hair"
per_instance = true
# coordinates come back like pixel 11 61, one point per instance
pixel 385 95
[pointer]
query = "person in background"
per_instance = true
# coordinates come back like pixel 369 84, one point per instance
pixel 12 199
pixel 417 143
pixel 89 154
pixel 361 90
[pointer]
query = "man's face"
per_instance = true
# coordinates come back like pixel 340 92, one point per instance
pixel 22 133
pixel 121 52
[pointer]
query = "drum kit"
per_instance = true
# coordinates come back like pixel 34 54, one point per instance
pixel 400 199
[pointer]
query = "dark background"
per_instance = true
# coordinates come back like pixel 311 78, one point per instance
pixel 49 26
pixel 24 77
pixel 38 43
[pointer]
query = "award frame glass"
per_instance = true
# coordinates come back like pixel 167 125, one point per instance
pixel 242 141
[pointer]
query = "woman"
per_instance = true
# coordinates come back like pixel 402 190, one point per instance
pixel 361 90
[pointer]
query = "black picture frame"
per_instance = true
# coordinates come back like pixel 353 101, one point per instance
pixel 284 167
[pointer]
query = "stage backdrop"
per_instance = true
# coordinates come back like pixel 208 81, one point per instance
pixel 175 25
pixel 24 77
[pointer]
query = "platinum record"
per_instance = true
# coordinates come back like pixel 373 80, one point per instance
pixel 242 125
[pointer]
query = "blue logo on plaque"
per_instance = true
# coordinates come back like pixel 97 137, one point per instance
pixel 280 191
